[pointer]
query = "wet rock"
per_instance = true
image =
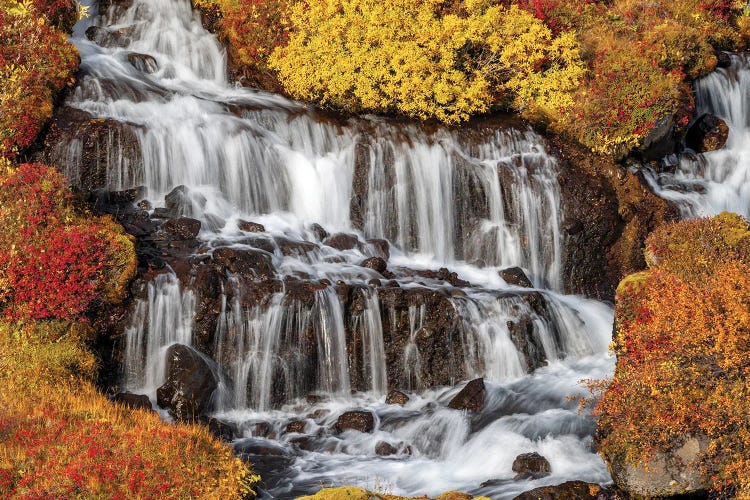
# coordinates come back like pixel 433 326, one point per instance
pixel 222 430
pixel 471 397
pixel 134 401
pixel 261 429
pixel 342 241
pixel 251 227
pixel 297 426
pixel 319 231
pixel 182 229
pixel 184 201
pixel 297 248
pixel 531 466
pixel 396 398
pixel 571 490
pixel 381 248
pixel 252 446
pixel 723 59
pixel 98 144
pixel 362 421
pixel 375 263
pixel 190 385
pixel 255 263
pixel 143 62
pixel 516 276
pixel 384 449
pixel 668 474
pixel 707 133
pixel 659 142
pixel 107 37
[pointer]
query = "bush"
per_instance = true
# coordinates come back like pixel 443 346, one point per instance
pixel 414 58
pixel 60 438
pixel 683 343
pixel 36 63
pixel 55 261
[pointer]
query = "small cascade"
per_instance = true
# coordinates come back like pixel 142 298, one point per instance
pixel 163 319
pixel 333 259
pixel 718 181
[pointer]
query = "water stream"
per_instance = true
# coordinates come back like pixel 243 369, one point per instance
pixel 474 203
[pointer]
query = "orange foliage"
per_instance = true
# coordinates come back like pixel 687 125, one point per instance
pixel 683 347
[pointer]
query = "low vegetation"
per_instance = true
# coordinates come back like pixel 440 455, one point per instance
pixel 683 344
pixel 36 64
pixel 604 73
pixel 59 437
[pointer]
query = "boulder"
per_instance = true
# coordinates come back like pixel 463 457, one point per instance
pixel 184 201
pixel 143 62
pixel 106 37
pixel 659 142
pixel 250 263
pixel 531 466
pixel 707 133
pixel 190 385
pixel 362 421
pixel 471 397
pixel 251 227
pixel 384 449
pixel 181 229
pixel 667 474
pixel 342 241
pixel 297 426
pixel 396 398
pixel 220 429
pixel 516 276
pixel 134 401
pixel 723 59
pixel 571 490
pixel 375 263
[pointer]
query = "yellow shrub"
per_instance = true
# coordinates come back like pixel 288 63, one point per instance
pixel 410 57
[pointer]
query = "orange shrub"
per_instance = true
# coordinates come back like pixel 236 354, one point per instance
pixel 683 344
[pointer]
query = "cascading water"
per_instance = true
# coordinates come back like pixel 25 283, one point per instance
pixel 718 181
pixel 327 325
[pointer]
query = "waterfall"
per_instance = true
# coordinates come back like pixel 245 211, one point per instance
pixel 320 332
pixel 718 181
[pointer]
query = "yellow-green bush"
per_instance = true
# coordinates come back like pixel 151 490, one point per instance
pixel 413 58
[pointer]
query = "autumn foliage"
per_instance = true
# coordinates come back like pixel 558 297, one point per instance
pixel 36 63
pixel 55 260
pixel 683 347
pixel 603 72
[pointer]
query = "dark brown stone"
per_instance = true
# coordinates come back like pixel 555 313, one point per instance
pixel 396 398
pixel 385 449
pixel 135 401
pixel 375 263
pixel 531 466
pixel 571 490
pixel 471 397
pixel 707 133
pixel 516 276
pixel 251 263
pixel 297 426
pixel 143 62
pixel 182 229
pixel 362 421
pixel 190 385
pixel 342 241
pixel 251 227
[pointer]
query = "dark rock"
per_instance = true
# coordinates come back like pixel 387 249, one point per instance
pixel 135 401
pixel 182 229
pixel 396 398
pixel 571 490
pixel 385 449
pixel 375 263
pixel 297 426
pixel 319 231
pixel 255 263
pixel 99 144
pixel 659 142
pixel 707 133
pixel 221 430
pixel 342 241
pixel 531 466
pixel 251 227
pixel 106 37
pixel 252 446
pixel 190 385
pixel 261 429
pixel 183 201
pixel 294 247
pixel 516 276
pixel 723 59
pixel 143 62
pixel 362 421
pixel 471 397
pixel 381 248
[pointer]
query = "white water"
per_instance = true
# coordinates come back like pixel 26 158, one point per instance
pixel 476 206
pixel 718 181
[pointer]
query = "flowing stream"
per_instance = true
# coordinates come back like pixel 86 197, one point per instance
pixel 475 203
pixel 718 181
